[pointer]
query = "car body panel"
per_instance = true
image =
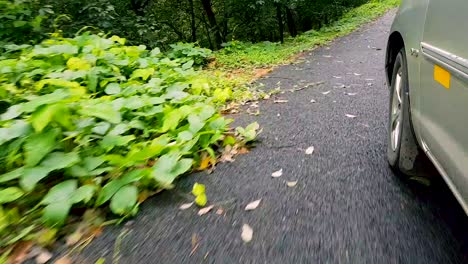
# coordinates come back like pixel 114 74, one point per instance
pixel 412 12
pixel 434 50
pixel 444 106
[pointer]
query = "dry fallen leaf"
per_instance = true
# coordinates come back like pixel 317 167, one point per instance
pixel 220 211
pixel 205 210
pixel 243 150
pixel 280 101
pixel 291 183
pixel 351 116
pixel 186 206
pixel 253 205
pixel 44 257
pixel 63 260
pixel 247 233
pixel 277 174
pixel 206 162
pixel 309 150
pixel 325 93
pixel 20 252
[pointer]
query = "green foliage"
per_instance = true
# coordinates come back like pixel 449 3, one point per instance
pixel 247 55
pixel 189 54
pixel 22 22
pixel 91 122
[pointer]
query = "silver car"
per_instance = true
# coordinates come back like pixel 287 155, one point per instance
pixel 427 73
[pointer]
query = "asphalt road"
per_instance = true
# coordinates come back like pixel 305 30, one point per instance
pixel 347 207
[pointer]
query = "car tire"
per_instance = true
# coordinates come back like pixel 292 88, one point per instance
pixel 403 152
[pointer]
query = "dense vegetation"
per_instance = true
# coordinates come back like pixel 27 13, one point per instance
pixel 92 123
pixel 208 22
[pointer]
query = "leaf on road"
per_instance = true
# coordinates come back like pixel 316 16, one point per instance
pixel 277 174
pixel 247 233
pixel 205 210
pixel 186 206
pixel 253 205
pixel 20 252
pixel 291 183
pixel 201 200
pixel 351 116
pixel 63 260
pixel 220 211
pixel 327 92
pixel 309 150
pixel 280 101
pixel 43 257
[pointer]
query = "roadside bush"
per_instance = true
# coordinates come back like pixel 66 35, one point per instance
pixel 187 52
pixel 89 122
pixel 22 22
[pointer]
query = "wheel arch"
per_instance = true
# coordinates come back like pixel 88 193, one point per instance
pixel 394 45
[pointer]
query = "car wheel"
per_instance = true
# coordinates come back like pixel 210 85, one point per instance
pixel 403 153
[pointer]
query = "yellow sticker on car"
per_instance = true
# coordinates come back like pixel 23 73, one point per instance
pixel 442 76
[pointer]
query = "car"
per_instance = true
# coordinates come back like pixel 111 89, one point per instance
pixel 427 74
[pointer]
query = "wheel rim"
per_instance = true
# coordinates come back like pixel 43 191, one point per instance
pixel 397 103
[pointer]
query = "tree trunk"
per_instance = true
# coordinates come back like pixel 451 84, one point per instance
pixel 291 24
pixel 212 20
pixel 193 25
pixel 279 16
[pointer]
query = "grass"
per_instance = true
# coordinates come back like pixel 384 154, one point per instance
pixel 240 59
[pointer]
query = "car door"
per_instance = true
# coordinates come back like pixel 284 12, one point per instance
pixel 444 91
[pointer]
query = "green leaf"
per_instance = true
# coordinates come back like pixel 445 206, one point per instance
pixel 196 123
pixel 55 214
pixel 168 167
pixel 229 140
pixel 185 136
pixel 198 189
pixel 171 120
pixel 109 141
pixel 37 146
pixel 42 117
pixel 10 194
pixel 92 163
pixel 17 129
pixel 32 176
pixel 112 88
pixel 51 98
pixel 19 23
pixel 103 111
pixel 124 200
pixel 61 192
pixel 12 112
pixel 83 194
pixel 201 200
pixel 75 63
pixel 142 73
pixel 12 175
pixel 113 186
pixel 60 160
pixel 183 166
